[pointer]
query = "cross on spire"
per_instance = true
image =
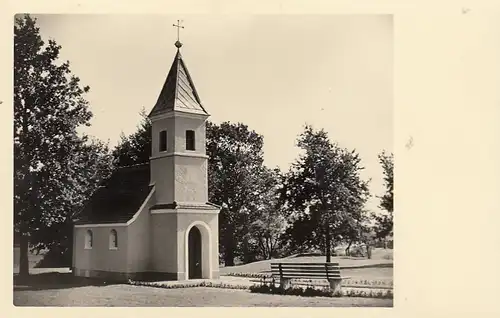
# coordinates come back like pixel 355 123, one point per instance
pixel 178 44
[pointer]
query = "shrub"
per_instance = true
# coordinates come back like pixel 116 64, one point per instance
pixel 340 251
pixel 263 289
pixel 55 257
pixel 313 292
pixel 358 251
pixel 293 291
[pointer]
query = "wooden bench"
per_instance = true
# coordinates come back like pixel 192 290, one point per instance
pixel 324 271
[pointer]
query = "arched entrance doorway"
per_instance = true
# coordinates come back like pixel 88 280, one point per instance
pixel 194 253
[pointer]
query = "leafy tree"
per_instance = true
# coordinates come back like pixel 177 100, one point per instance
pixel 49 105
pixel 303 234
pixel 236 158
pixel 354 229
pixel 384 221
pixel 89 165
pixel 387 162
pixel 135 148
pixel 324 190
pixel 268 222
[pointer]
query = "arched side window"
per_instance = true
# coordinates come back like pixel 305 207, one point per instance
pixel 113 240
pixel 89 239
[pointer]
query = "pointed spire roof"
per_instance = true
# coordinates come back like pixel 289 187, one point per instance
pixel 178 92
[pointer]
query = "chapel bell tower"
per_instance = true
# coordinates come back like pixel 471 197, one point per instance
pixel 185 225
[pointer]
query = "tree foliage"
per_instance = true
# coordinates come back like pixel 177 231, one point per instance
pixel 324 191
pixel 387 200
pixel 89 165
pixel 50 156
pixel 268 220
pixel 135 148
pixel 235 182
pixel 384 221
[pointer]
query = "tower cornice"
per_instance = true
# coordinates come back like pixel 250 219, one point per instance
pixel 179 113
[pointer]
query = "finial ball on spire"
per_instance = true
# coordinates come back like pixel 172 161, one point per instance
pixel 178 44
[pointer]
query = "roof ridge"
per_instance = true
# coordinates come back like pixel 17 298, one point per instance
pixel 178 59
pixel 195 92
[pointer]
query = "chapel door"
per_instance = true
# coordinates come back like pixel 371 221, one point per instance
pixel 194 253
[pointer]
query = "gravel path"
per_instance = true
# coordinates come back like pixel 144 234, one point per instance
pixel 126 295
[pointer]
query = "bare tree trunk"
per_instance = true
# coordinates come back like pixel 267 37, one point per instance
pixel 268 249
pixel 348 249
pixel 246 253
pixel 229 251
pixel 25 185
pixel 229 257
pixel 262 246
pixel 271 248
pixel 23 257
pixel 327 245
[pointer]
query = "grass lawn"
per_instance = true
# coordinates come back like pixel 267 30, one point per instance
pixel 379 256
pixel 127 295
pixel 369 273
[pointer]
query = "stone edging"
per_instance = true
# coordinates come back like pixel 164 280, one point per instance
pixel 188 285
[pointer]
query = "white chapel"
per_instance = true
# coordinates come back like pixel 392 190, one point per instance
pixel 153 221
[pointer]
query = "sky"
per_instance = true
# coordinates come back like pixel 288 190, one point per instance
pixel 274 73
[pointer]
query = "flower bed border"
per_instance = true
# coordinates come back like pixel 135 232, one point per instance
pixel 271 289
pixel 360 283
pixel 188 285
pixel 312 292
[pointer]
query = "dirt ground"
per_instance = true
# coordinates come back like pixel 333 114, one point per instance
pixel 127 295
